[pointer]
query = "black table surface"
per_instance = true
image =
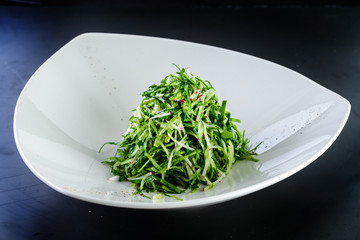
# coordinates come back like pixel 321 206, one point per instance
pixel 321 201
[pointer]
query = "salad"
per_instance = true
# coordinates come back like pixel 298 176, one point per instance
pixel 180 137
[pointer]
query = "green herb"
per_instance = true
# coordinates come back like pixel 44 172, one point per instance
pixel 179 137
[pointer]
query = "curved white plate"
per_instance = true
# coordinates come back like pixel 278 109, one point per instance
pixel 82 96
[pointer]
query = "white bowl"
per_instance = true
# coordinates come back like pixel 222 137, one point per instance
pixel 83 95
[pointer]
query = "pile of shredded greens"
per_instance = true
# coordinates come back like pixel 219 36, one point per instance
pixel 179 138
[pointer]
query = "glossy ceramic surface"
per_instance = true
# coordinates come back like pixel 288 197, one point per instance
pixel 83 96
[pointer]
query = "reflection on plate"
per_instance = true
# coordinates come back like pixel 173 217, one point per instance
pixel 83 96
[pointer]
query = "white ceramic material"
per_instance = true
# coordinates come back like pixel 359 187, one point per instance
pixel 83 96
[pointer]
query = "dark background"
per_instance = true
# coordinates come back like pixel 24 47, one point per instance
pixel 319 39
pixel 185 3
